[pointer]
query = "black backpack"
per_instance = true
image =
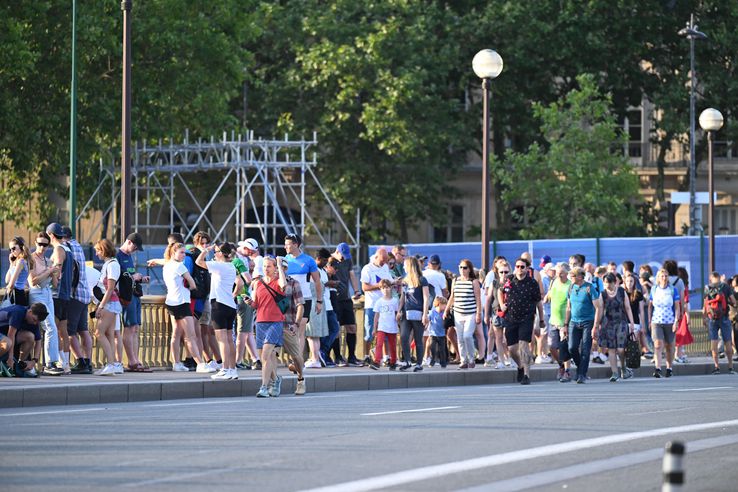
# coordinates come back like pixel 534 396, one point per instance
pixel 200 275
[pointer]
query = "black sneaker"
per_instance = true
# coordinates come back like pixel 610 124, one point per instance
pixel 657 373
pixel 525 380
pixel 417 368
pixel 521 373
pixel 669 372
pixel 716 371
pixel 581 379
pixel 243 366
pixel 79 368
pixel 354 362
pixel 404 367
pixel 373 365
pixel 257 366
pixel 392 367
pixel 433 362
pixel 53 371
pixel 341 362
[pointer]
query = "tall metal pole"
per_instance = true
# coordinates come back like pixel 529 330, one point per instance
pixel 485 175
pixel 694 222
pixel 73 129
pixel 125 197
pixel 711 206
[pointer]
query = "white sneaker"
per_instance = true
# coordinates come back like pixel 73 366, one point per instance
pixel 179 367
pixel 203 367
pixel 489 362
pixel 118 368
pixel 108 370
pixel 508 363
pixel 426 362
pixel 222 375
pixel 539 360
pixel 313 364
pixel 500 365
pixel 213 364
pixel 300 388
pixel 546 359
pixel 233 373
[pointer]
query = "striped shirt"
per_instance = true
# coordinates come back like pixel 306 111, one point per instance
pixel 464 301
pixel 82 292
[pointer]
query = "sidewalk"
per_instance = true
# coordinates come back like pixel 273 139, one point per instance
pixel 167 385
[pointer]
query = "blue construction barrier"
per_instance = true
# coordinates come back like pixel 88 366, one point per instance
pixel 689 252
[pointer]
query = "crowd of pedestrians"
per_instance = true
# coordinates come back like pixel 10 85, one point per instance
pixel 225 300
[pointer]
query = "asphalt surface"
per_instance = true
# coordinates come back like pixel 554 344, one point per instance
pixel 549 436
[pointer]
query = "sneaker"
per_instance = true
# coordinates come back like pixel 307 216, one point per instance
pixel 716 371
pixel 404 367
pixel 560 373
pixel 432 363
pixel 427 362
pixel 648 355
pixel 233 373
pixel 204 368
pixel 565 378
pixel 626 373
pixel 464 366
pixel 500 365
pixel 276 387
pixel 213 364
pixel 731 371
pixel 597 359
pixel 525 381
pixel 489 362
pixel 547 359
pixel 581 380
pixel 329 362
pixel 385 360
pixel 657 373
pixel 221 375
pixel 539 360
pixel 179 367
pixel 521 374
pixel 507 363
pixel 417 368
pixel 512 364
pixel 53 371
pixel 243 366
pixel 472 365
pixel 366 360
pixel 722 355
pixel 354 362
pixel 118 367
pixel 300 388
pixel 79 368
pixel 393 367
pixel 341 362
pixel 615 376
pixel 373 365
pixel 108 370
pixel 735 358
pixel 313 364
pixel 669 372
pixel 257 366
pixel 263 392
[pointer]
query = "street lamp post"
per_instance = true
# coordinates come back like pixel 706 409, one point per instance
pixel 691 33
pixel 487 64
pixel 125 177
pixel 711 120
pixel 73 128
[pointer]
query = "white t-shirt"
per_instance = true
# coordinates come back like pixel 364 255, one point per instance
pixel 222 277
pixel 177 293
pixel 386 309
pixel 326 292
pixel 110 271
pixel 436 279
pixel 372 274
pixel 258 266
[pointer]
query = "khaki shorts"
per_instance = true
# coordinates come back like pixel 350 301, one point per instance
pixel 205 318
pixel 291 342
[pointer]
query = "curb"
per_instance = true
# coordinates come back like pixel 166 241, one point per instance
pixel 97 393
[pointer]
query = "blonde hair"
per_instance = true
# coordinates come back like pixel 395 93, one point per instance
pixel 439 301
pixel 171 249
pixel 577 272
pixel 385 283
pixel 412 269
pixel 105 247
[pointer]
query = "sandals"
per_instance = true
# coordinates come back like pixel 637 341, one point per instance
pixel 138 368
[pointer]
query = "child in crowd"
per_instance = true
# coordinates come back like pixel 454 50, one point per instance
pixel 387 315
pixel 437 332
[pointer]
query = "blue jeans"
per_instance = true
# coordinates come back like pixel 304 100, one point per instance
pixel 580 333
pixel 51 337
pixel 368 324
pixel 333 331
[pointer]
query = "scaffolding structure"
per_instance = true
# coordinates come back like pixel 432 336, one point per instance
pixel 275 192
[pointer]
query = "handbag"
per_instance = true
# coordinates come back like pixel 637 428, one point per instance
pixel 6 300
pixel 632 352
pixel 683 335
pixel 283 303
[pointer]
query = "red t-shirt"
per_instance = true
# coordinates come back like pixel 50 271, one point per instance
pixel 267 310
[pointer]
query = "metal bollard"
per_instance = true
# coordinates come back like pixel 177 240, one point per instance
pixel 673 467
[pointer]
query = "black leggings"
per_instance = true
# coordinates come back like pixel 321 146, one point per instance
pixel 222 316
pixel 20 297
pixel 439 351
pixel 416 327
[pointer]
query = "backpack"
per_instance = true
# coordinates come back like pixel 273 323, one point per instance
pixel 75 274
pixel 200 275
pixel 125 288
pixel 716 305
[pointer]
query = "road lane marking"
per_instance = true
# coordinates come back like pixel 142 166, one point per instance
pixel 443 469
pixel 661 411
pixel 593 467
pixel 52 412
pixel 710 388
pixel 408 411
pixel 180 477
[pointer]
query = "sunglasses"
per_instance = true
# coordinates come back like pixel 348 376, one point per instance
pixel 391 263
pixel 504 272
pixel 520 267
pixel 463 267
pixel 43 245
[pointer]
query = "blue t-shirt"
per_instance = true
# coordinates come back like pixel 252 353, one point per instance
pixel 414 296
pixel 14 316
pixel 581 298
pixel 300 267
pixel 126 262
pixel 435 327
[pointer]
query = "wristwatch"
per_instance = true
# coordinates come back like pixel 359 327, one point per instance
pixel 319 302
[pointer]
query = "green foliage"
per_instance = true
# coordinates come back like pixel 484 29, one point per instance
pixel 579 184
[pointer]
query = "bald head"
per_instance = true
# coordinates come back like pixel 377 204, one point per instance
pixel 380 257
pixel 525 255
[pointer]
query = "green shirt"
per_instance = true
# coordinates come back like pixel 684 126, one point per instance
pixel 241 268
pixel 558 292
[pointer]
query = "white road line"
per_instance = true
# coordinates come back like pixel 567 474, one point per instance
pixel 662 411
pixel 594 467
pixel 179 477
pixel 710 388
pixel 444 469
pixel 52 412
pixel 408 411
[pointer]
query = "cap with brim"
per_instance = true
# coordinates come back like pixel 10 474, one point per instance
pixel 56 229
pixel 249 243
pixel 344 249
pixel 135 238
pixel 544 260
pixel 435 260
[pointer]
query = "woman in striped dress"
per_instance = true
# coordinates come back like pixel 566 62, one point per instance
pixel 466 301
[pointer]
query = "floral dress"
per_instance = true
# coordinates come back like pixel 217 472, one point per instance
pixel 614 326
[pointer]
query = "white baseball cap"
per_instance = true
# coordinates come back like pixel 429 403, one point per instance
pixel 250 244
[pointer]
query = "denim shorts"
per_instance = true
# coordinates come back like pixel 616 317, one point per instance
pixel 368 323
pixel 269 332
pixel 132 312
pixel 723 326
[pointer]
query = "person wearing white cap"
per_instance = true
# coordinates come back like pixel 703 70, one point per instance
pixel 250 248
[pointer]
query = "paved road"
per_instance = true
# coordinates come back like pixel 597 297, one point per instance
pixel 548 436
